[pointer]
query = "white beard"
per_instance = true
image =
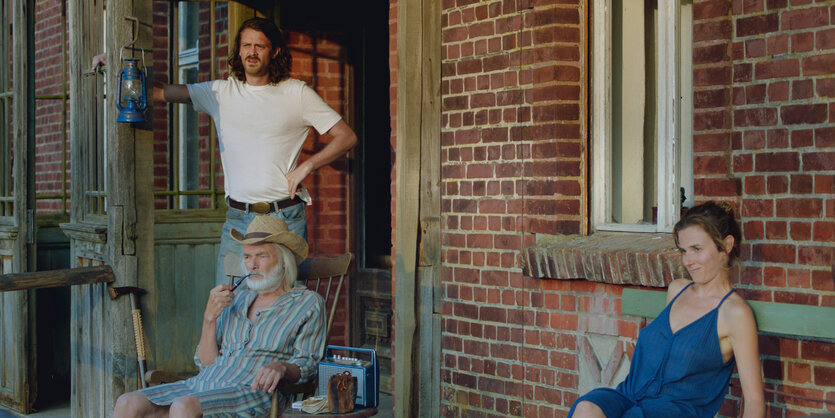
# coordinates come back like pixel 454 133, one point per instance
pixel 270 282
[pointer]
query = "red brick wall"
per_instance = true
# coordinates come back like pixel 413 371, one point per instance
pixel 512 162
pixel 514 139
pixel 777 138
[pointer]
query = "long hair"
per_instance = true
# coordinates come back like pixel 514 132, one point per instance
pixel 279 66
pixel 717 220
pixel 291 271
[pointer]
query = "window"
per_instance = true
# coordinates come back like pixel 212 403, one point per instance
pixel 642 111
pixel 189 177
pixel 92 125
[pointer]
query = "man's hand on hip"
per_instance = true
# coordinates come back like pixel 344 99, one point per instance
pixel 297 176
pixel 267 377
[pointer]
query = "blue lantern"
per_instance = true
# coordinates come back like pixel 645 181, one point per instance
pixel 132 98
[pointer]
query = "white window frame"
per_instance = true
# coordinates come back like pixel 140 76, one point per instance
pixel 673 135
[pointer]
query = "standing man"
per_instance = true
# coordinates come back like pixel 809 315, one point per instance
pixel 263 118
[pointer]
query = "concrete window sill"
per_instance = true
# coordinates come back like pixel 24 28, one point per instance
pixel 607 257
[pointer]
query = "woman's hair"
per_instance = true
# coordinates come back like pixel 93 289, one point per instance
pixel 279 66
pixel 717 220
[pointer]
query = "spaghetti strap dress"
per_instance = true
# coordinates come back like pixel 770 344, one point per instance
pixel 679 374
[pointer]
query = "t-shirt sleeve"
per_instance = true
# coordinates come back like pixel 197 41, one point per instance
pixel 316 112
pixel 204 97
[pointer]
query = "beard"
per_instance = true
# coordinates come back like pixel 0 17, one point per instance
pixel 270 281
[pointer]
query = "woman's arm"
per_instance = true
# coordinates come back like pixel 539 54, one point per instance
pixel 743 336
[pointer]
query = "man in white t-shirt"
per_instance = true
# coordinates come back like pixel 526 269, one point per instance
pixel 263 118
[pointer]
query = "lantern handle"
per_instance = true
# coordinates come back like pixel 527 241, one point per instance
pixel 133 20
pixel 129 45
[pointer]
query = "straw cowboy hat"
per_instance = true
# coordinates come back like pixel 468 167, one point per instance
pixel 271 229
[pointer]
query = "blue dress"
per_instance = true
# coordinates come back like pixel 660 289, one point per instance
pixel 671 375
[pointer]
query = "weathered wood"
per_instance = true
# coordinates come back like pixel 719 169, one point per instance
pixel 428 378
pixel 772 318
pixel 104 354
pixel 409 64
pixel 179 286
pixel 323 267
pixel 88 240
pixel 18 389
pixel 55 278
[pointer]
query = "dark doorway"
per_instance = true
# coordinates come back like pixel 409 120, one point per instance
pixel 53 323
pixel 363 28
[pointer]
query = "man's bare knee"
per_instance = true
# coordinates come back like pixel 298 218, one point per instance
pixel 132 404
pixel 586 409
pixel 186 407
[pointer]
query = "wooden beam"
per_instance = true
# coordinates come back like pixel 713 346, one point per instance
pixel 428 363
pixel 772 318
pixel 56 278
pixel 407 201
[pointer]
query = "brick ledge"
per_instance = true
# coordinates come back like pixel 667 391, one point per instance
pixel 607 257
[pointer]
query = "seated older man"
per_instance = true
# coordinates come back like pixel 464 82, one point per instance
pixel 251 339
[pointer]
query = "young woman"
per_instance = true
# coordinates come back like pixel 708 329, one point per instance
pixel 684 358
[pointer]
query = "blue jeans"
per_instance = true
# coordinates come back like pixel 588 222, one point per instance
pixel 294 216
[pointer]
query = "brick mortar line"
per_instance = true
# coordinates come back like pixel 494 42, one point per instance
pixel 543 159
pixel 517 49
pixel 522 400
pixel 516 13
pixel 504 269
pixel 777 289
pixel 829 244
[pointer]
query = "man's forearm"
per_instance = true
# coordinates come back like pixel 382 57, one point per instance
pixel 207 350
pixel 343 139
pixel 174 93
pixel 292 373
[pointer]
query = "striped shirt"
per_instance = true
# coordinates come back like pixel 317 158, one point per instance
pixel 292 330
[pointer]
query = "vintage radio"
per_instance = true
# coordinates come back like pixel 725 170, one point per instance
pixel 366 370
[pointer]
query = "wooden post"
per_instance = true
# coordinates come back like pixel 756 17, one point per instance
pixel 407 202
pixel 417 281
pixel 429 267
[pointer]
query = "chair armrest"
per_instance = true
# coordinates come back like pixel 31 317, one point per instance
pixel 307 388
pixel 156 377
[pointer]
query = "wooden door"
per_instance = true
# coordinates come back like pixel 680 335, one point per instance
pixel 16 202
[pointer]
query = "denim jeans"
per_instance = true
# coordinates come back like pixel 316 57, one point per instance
pixel 294 216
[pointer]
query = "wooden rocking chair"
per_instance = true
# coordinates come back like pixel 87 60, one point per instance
pixel 320 274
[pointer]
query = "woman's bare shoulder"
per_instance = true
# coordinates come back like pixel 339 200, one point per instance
pixel 736 312
pixel 675 287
